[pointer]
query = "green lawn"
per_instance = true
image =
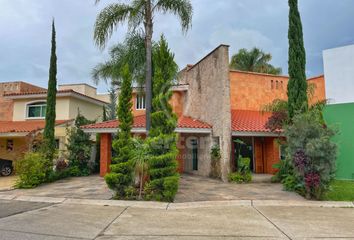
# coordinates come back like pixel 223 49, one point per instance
pixel 341 191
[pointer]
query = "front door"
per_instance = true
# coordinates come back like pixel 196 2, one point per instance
pixel 195 154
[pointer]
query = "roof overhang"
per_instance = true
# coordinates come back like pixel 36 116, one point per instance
pixel 256 134
pixel 65 94
pixel 143 130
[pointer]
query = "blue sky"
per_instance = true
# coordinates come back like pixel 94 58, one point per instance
pixel 25 34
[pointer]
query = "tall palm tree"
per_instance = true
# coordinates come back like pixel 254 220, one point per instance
pixel 254 60
pixel 137 13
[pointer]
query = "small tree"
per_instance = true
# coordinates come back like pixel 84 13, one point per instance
pixel 164 178
pixel 140 158
pixel 48 134
pixel 79 148
pixel 312 153
pixel 297 85
pixel 120 178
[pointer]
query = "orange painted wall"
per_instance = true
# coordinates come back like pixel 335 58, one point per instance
pixel 251 91
pixel 176 103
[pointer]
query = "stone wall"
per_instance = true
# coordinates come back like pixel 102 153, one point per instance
pixel 208 99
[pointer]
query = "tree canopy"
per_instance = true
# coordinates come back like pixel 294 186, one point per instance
pixel 254 60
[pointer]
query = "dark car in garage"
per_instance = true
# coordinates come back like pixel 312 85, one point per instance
pixel 6 167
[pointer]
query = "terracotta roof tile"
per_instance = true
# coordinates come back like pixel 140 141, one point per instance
pixel 139 122
pixel 24 126
pixel 249 121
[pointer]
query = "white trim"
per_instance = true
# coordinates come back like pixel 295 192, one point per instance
pixel 68 94
pixel 143 130
pixel 44 103
pixel 11 134
pixel 256 134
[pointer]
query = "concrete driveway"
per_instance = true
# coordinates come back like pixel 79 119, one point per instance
pixel 91 187
pixel 7 183
pixel 195 188
pixel 108 220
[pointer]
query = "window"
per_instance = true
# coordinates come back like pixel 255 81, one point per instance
pixel 272 84
pixel 140 102
pixel 36 110
pixel 10 145
pixel 277 84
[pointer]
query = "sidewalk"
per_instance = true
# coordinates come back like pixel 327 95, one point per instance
pixel 128 220
pixel 7 183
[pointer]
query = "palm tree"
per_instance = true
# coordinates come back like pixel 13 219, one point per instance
pixel 254 60
pixel 137 13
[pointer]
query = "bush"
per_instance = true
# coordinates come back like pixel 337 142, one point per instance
pixel 32 170
pixel 79 148
pixel 312 154
pixel 239 177
pixel 243 174
pixel 284 168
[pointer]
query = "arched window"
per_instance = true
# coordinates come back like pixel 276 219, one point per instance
pixel 277 84
pixel 272 84
pixel 36 110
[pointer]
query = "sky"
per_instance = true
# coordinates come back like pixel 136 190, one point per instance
pixel 25 31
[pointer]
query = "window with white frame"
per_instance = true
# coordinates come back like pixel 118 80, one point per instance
pixel 140 102
pixel 36 110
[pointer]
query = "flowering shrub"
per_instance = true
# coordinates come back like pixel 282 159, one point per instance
pixel 312 154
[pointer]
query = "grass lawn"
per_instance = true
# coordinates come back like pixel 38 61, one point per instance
pixel 341 191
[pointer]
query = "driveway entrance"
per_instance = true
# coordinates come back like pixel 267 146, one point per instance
pixel 195 188
pixel 91 187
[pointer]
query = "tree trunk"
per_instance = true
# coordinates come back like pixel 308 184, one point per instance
pixel 148 77
pixel 141 183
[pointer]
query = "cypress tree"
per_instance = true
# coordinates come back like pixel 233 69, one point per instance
pixel 120 177
pixel 297 86
pixel 48 134
pixel 164 178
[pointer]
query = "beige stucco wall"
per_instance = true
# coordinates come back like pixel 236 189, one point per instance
pixel 66 108
pixel 20 108
pixel 20 146
pixel 208 99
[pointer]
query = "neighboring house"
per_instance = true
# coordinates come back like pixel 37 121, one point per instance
pixel 216 106
pixel 339 72
pixel 25 114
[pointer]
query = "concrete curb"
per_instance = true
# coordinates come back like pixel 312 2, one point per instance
pixel 186 205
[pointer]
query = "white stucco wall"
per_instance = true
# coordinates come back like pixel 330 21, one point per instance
pixel 339 74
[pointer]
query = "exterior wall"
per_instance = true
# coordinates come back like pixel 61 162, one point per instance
pixel 80 88
pixel 20 108
pixel 319 89
pixel 341 117
pixel 6 105
pixel 252 91
pixel 266 153
pixel 204 158
pixel 177 101
pixel 338 69
pixel 208 99
pixel 67 108
pixel 89 110
pixel 20 146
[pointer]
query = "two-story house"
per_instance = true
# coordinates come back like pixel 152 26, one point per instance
pixel 216 106
pixel 23 108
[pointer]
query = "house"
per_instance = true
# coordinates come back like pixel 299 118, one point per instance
pixel 216 106
pixel 339 113
pixel 23 108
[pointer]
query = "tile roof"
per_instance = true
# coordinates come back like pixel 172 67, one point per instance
pixel 25 126
pixel 139 122
pixel 249 121
pixel 45 92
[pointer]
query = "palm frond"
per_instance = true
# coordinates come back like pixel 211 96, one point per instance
pixel 108 20
pixel 181 8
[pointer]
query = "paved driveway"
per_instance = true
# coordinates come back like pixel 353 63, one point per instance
pixel 195 188
pixel 91 187
pixel 7 183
